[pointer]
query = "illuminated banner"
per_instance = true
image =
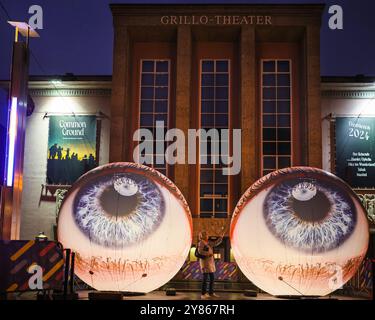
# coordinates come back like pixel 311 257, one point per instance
pixel 355 151
pixel 30 265
pixel 71 148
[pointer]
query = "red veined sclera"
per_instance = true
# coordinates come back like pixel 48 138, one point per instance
pixel 299 231
pixel 129 225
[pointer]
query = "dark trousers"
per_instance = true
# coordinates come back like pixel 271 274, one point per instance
pixel 208 281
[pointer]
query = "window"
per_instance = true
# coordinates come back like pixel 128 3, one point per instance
pixel 154 102
pixel 276 115
pixel 214 114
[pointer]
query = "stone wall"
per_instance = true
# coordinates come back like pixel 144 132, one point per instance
pixel 40 216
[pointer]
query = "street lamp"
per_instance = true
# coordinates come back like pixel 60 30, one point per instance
pixel 10 205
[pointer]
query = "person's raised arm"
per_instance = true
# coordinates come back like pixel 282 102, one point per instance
pixel 220 239
pixel 217 241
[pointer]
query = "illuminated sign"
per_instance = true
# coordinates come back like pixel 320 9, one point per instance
pixel 355 150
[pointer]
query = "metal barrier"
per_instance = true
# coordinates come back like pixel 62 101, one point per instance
pixel 361 284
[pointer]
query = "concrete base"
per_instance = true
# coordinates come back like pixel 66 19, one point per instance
pixel 105 295
pixel 170 292
pixel 250 293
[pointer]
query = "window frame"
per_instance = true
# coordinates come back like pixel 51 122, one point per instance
pixel 153 113
pixel 229 127
pixel 262 113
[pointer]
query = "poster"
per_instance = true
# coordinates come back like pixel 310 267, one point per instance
pixel 355 151
pixel 71 148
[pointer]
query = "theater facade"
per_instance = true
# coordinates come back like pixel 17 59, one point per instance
pixel 254 68
pixel 250 67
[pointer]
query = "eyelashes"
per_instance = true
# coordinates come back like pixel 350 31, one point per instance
pixel 119 210
pixel 309 216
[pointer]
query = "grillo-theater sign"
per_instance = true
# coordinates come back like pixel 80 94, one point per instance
pixel 216 20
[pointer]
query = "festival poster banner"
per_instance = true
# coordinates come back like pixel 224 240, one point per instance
pixel 355 151
pixel 71 148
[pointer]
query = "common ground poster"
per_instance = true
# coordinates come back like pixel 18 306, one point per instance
pixel 71 148
pixel 355 151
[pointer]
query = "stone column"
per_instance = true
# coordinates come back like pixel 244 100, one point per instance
pixel 183 94
pixel 314 122
pixel 248 83
pixel 119 145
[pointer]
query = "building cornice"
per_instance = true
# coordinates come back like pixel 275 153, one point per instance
pixel 70 88
pixel 348 90
pixel 132 15
pixel 67 88
pixel 70 92
pixel 348 94
pixel 82 88
pixel 155 9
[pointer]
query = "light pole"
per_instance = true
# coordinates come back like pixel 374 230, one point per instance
pixel 13 180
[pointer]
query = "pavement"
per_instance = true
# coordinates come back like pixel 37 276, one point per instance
pixel 161 295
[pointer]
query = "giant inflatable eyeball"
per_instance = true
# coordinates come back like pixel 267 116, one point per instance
pixel 299 231
pixel 129 225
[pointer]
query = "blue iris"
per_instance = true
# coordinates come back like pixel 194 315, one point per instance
pixel 318 224
pixel 114 219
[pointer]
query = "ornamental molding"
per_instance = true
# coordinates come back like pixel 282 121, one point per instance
pixel 46 92
pixel 368 201
pixel 349 94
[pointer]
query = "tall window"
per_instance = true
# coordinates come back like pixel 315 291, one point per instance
pixel 276 115
pixel 214 114
pixel 154 102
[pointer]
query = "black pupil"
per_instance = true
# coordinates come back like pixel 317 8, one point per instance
pixel 115 204
pixel 313 210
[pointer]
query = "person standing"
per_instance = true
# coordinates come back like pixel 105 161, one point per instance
pixel 207 264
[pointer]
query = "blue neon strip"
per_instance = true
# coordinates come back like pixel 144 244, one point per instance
pixel 11 141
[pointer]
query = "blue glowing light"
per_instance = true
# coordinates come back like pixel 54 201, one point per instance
pixel 12 132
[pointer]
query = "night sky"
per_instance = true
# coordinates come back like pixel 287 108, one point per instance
pixel 78 36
